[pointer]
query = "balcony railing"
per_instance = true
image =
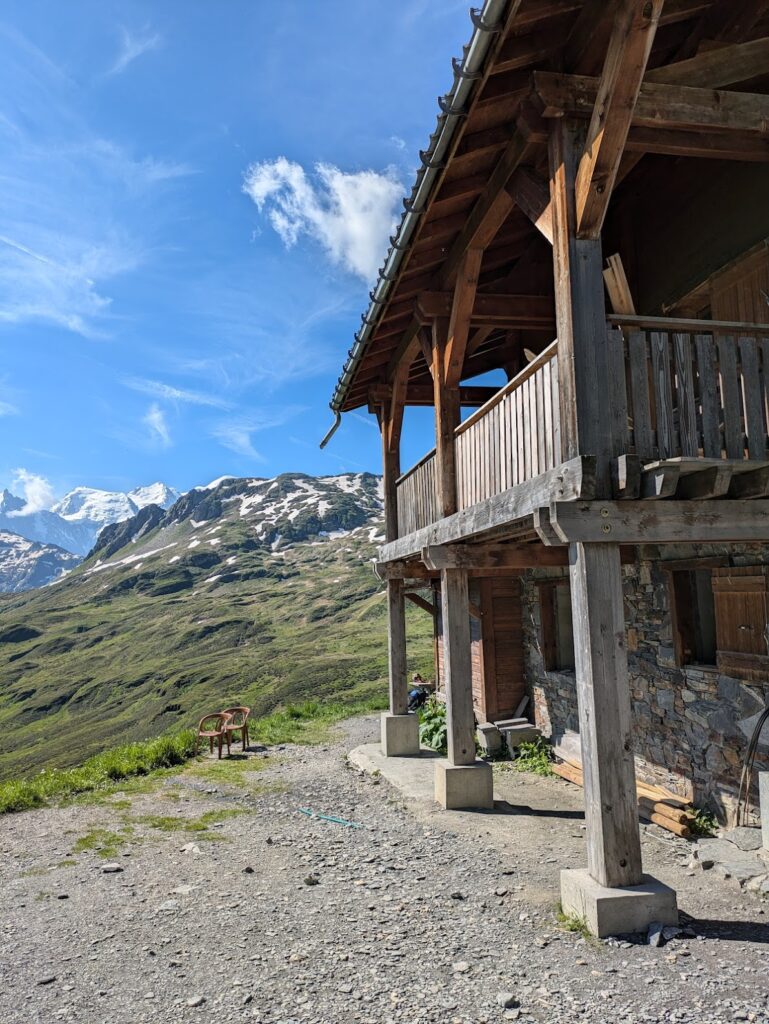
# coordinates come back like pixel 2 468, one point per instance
pixel 680 389
pixel 693 389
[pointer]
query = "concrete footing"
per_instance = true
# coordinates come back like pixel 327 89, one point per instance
pixel 617 911
pixel 464 786
pixel 400 735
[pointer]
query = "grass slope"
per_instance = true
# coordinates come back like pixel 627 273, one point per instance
pixel 117 654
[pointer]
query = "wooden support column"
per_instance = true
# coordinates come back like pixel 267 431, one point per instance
pixel 457 668
pixel 390 473
pixel 603 695
pixel 446 420
pixel 584 381
pixel 396 643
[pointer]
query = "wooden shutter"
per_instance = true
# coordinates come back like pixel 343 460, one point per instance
pixel 741 621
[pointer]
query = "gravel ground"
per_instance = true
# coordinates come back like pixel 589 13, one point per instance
pixel 417 916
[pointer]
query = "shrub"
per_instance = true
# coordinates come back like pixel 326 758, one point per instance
pixel 534 757
pixel 432 725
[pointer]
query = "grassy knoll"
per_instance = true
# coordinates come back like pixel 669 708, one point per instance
pixel 187 625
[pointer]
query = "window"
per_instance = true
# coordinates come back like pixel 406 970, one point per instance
pixel 694 616
pixel 555 620
pixel 720 619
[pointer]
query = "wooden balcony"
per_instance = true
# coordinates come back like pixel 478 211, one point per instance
pixel 689 396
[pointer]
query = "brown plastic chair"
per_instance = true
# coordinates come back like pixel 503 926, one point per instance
pixel 238 723
pixel 214 727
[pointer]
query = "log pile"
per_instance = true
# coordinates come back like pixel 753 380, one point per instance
pixel 655 804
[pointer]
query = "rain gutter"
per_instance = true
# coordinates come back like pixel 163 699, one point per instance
pixel 487 22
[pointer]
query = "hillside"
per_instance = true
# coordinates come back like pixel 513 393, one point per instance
pixel 253 591
pixel 25 563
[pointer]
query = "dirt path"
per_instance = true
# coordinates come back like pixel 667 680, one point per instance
pixel 417 916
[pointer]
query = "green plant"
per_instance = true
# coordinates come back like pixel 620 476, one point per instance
pixel 572 923
pixel 704 823
pixel 535 757
pixel 432 725
pixel 98 773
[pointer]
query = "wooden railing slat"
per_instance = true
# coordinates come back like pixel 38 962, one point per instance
pixel 687 411
pixel 730 397
pixel 751 398
pixel 663 395
pixel 639 388
pixel 709 400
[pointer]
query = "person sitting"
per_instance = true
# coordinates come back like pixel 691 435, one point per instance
pixel 419 692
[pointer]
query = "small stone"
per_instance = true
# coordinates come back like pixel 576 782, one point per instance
pixel 507 1000
pixel 168 905
pixel 248 871
pixel 62 896
pixel 111 869
pixel 247 999
pixel 196 1001
pixel 47 979
pixel 457 896
pixel 655 935
pixel 312 880
pixel 461 967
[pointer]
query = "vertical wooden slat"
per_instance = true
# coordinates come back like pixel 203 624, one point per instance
pixel 639 386
pixel 751 399
pixel 557 445
pixel 764 347
pixel 687 409
pixel 707 374
pixel 547 426
pixel 615 353
pixel 663 396
pixel 730 397
pixel 521 437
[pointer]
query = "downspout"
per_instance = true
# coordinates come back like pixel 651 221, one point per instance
pixel 487 23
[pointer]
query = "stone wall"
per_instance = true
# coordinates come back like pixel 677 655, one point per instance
pixel 692 726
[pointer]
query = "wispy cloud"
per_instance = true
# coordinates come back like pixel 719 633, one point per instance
pixel 155 421
pixel 351 215
pixel 157 389
pixel 72 203
pixel 37 491
pixel 6 409
pixel 237 434
pixel 133 45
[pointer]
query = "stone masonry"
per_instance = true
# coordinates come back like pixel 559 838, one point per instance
pixel 692 725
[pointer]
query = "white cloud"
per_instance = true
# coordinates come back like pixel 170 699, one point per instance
pixel 37 491
pixel 133 45
pixel 156 389
pixel 6 409
pixel 398 142
pixel 237 434
pixel 350 215
pixel 155 420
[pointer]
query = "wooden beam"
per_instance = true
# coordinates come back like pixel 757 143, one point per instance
pixel 732 20
pixel 605 725
pixel 584 375
pixel 626 476
pixel 462 304
pixel 660 482
pixel 750 485
pixel 659 107
pixel 490 210
pixel 716 68
pixel 634 27
pixel 532 196
pixel 457 668
pixel 396 645
pixel 492 556
pixel 617 286
pixel 568 481
pixel 420 602
pixel 523 311
pixel 711 482
pixel 658 522
pixel 446 400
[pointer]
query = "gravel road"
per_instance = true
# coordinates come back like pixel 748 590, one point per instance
pixel 272 916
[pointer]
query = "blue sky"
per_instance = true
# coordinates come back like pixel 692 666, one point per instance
pixel 194 196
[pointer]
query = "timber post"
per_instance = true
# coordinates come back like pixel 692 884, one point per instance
pixel 447 415
pixel 461 781
pixel 400 730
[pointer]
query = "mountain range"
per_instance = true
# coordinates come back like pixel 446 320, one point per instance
pixel 246 591
pixel 70 527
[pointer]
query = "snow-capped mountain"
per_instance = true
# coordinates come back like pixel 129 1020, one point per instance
pixel 75 521
pixel 25 564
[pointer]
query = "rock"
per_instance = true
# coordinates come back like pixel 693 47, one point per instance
pixel 248 871
pixel 671 931
pixel 111 869
pixel 312 880
pixel 46 979
pixel 167 906
pixel 655 935
pixel 196 1001
pixel 457 896
pixel 507 1000
pixel 461 967
pixel 744 838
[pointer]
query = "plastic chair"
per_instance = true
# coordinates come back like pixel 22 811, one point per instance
pixel 214 727
pixel 238 723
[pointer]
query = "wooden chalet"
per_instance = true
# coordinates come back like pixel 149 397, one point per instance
pixel 591 218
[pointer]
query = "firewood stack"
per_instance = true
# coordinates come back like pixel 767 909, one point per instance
pixel 655 804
